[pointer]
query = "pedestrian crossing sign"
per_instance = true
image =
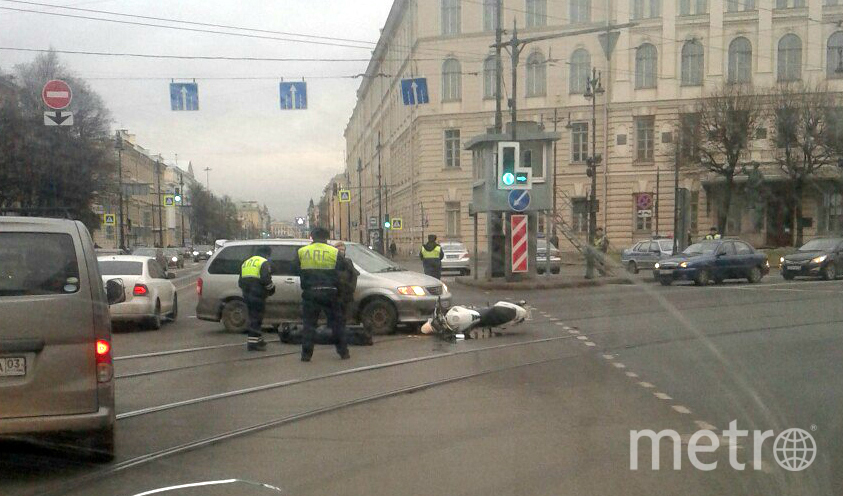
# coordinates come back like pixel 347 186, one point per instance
pixel 397 223
pixel 108 219
pixel 345 196
pixel 169 200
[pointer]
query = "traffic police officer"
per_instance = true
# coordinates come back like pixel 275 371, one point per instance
pixel 431 255
pixel 712 234
pixel 318 266
pixel 256 283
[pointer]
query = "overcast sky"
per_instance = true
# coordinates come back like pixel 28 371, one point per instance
pixel 257 151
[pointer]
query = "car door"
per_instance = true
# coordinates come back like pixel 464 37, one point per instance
pixel 745 259
pixel 285 304
pixel 653 253
pixel 163 287
pixel 838 257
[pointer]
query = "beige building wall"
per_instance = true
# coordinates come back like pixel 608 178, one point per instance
pixel 412 151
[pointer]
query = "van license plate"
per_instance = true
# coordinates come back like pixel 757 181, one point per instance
pixel 12 366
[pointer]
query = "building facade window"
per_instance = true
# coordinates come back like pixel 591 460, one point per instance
pixel 452 219
pixel 580 65
pixel 451 17
pixel 452 148
pixel 579 215
pixel 834 55
pixel 451 80
pixel 740 61
pixel 689 129
pixel 536 74
pixel 693 7
pixel 789 4
pixel 830 211
pixel 490 74
pixel 579 142
pixel 645 9
pixel 580 11
pixel 692 63
pixel 646 59
pixel 645 129
pixel 643 207
pixel 790 58
pixel 536 13
pixel 740 5
pixel 830 3
pixel 490 15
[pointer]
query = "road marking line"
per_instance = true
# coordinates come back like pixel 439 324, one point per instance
pixel 571 331
pixel 619 365
pixel 646 385
pixel 662 396
pixel 589 343
pixel 582 338
pixel 561 325
pixel 567 328
pixel 609 357
pixel 702 424
pixel 553 319
pixel 631 374
pixel 681 409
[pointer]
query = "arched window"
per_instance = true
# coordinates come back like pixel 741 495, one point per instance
pixel 692 63
pixel 580 65
pixel 646 59
pixel 536 74
pixel 451 80
pixel 834 55
pixel 790 58
pixel 740 61
pixel 490 74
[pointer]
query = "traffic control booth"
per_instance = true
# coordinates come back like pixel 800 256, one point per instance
pixel 499 197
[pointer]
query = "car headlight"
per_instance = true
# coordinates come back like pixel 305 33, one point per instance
pixel 195 253
pixel 657 265
pixel 444 288
pixel 411 291
pixel 175 259
pixel 767 263
pixel 819 259
pixel 781 259
pixel 683 264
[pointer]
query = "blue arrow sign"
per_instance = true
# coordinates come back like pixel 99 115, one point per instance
pixel 519 199
pixel 184 96
pixel 294 96
pixel 414 91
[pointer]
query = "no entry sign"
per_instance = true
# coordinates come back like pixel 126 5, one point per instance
pixel 520 246
pixel 56 94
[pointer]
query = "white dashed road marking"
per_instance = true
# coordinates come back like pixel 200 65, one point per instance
pixel 619 365
pixel 571 331
pixel 681 409
pixel 582 338
pixel 609 357
pixel 702 424
pixel 662 396
pixel 631 374
pixel 646 385
pixel 589 343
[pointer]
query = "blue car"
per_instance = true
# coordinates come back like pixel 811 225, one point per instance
pixel 713 261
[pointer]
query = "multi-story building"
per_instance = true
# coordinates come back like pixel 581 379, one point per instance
pixel 284 229
pixel 675 53
pixel 334 214
pixel 254 219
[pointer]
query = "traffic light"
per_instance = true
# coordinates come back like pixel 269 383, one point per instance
pixel 510 173
pixel 386 222
pixel 177 197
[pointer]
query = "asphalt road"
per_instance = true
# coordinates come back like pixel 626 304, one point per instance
pixel 545 411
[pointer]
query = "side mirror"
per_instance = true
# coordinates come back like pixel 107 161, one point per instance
pixel 170 275
pixel 115 292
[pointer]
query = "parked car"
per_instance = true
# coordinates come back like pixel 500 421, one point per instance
pixel 456 257
pixel 541 257
pixel 202 252
pixel 150 296
pixel 175 259
pixel 645 254
pixel 56 369
pixel 820 257
pixel 386 293
pixel 156 253
pixel 713 260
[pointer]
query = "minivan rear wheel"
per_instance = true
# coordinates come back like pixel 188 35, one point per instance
pixel 235 316
pixel 379 317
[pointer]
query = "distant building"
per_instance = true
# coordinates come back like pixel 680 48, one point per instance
pixel 254 219
pixel 333 214
pixel 284 229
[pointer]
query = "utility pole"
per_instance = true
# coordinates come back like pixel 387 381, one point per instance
pixel 498 67
pixel 380 205
pixel 118 142
pixel 160 204
pixel 676 157
pixel 360 198
pixel 348 207
pixel 593 88
pixel 658 197
pixel 515 52
pixel 207 178
pixel 181 204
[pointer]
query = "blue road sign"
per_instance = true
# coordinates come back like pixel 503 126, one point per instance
pixel 294 96
pixel 184 96
pixel 519 199
pixel 414 91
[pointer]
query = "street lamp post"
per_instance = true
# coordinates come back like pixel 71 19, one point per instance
pixel 118 142
pixel 593 88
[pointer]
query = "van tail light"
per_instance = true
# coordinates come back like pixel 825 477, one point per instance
pixel 199 286
pixel 105 365
pixel 140 290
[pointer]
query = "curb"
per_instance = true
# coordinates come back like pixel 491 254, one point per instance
pixel 540 283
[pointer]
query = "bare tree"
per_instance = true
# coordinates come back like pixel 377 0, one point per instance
pixel 801 114
pixel 727 120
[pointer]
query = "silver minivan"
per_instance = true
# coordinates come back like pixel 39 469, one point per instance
pixel 56 370
pixel 386 294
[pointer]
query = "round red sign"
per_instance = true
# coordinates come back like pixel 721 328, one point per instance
pixel 56 94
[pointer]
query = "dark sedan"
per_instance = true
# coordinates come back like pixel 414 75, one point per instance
pixel 713 260
pixel 820 257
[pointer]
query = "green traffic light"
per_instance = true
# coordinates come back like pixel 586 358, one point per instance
pixel 508 178
pixel 387 225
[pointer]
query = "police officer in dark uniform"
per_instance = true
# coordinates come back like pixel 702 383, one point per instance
pixel 318 265
pixel 256 283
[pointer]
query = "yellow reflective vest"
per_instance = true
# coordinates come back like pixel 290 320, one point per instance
pixel 252 267
pixel 434 253
pixel 318 256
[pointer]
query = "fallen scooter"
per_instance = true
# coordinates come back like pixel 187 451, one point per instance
pixel 461 322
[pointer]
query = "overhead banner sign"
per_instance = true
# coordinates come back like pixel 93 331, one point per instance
pixel 414 91
pixel 293 95
pixel 184 96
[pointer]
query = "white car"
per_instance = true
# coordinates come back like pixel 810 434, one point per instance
pixel 150 296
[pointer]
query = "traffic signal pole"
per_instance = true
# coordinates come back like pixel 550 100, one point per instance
pixel 379 247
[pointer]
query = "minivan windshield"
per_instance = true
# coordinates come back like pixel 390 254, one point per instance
pixel 370 260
